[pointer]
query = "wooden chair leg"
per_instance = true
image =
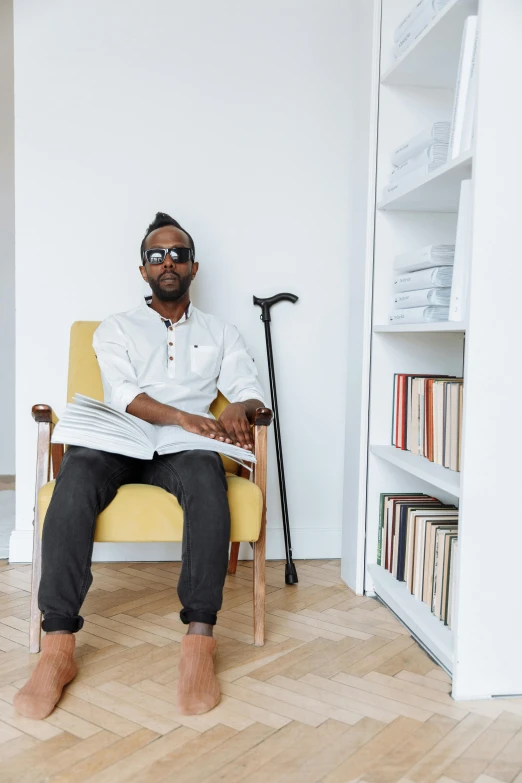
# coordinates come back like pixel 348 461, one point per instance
pixel 234 553
pixel 260 588
pixel 35 620
pixel 43 415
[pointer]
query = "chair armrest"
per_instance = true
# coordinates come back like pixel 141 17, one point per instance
pixel 42 413
pixel 262 417
pixel 46 419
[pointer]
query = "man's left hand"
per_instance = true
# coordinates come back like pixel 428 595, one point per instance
pixel 234 421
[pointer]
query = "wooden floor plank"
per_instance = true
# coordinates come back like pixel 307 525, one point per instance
pixel 339 692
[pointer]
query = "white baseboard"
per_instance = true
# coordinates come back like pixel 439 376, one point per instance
pixel 307 544
pixel 21 546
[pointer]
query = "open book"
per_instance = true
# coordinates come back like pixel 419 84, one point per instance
pixel 91 423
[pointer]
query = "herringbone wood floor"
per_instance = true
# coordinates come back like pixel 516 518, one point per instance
pixel 339 693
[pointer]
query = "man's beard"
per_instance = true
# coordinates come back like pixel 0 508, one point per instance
pixel 170 294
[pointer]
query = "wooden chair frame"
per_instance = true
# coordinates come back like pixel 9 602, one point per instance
pixel 48 460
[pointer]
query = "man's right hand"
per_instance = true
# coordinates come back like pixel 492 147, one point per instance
pixel 148 409
pixel 201 425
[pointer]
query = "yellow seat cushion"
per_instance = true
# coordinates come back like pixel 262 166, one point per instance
pixel 145 513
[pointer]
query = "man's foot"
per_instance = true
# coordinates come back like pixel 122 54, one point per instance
pixel 198 688
pixel 40 695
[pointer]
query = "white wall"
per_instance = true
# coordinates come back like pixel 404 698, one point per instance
pixel 234 117
pixel 7 273
pixel 365 46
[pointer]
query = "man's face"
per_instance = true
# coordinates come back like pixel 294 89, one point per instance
pixel 169 280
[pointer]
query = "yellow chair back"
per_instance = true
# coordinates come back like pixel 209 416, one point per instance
pixel 84 374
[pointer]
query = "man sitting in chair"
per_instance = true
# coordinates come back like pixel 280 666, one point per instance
pixel 162 362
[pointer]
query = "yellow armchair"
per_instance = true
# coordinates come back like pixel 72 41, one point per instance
pixel 142 512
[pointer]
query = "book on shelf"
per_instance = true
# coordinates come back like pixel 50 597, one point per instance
pixel 417 534
pixel 417 10
pixel 465 88
pixel 452 582
pixel 403 512
pixel 462 262
pixel 437 133
pixel 419 20
pixel 443 539
pixel 429 159
pixel 390 520
pixel 96 425
pixel 430 562
pixel 420 518
pixel 425 257
pixel 427 417
pixel 435 277
pixel 419 315
pixel 423 298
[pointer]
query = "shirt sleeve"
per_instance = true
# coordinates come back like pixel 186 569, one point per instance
pixel 120 384
pixel 238 378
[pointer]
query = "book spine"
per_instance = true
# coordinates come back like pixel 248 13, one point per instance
pixel 381 524
pixel 422 298
pixel 415 30
pixel 426 278
pixel 409 19
pixel 419 315
pixel 411 165
pixel 412 147
pixel 424 258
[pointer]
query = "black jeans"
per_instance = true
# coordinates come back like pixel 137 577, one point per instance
pixel 87 482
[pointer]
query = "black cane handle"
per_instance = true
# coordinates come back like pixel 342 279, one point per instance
pixel 266 304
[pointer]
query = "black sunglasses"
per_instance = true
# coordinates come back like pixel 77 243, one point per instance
pixel 157 255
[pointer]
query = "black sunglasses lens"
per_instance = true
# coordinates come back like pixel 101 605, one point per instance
pixel 156 256
pixel 180 254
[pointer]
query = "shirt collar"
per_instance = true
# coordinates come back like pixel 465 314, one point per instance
pixel 146 304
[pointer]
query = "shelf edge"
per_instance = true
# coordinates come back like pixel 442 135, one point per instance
pixel 435 637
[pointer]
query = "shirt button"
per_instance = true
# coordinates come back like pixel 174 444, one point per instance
pixel 170 328
pixel 171 357
pixel 171 343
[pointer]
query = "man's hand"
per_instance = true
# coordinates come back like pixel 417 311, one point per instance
pixel 200 425
pixel 234 421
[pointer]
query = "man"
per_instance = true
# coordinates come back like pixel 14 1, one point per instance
pixel 163 362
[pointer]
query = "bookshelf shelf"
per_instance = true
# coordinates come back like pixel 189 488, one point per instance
pixel 432 634
pixel 439 192
pixel 437 476
pixel 445 327
pixel 432 61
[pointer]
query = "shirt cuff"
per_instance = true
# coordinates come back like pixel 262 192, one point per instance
pixel 123 395
pixel 250 394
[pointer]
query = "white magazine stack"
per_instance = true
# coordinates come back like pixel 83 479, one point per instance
pixel 422 285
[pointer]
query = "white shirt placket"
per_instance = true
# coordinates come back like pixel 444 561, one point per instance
pixel 171 350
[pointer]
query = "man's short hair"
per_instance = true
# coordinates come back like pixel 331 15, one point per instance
pixel 162 219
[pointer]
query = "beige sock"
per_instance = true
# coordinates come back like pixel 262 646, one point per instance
pixel 198 688
pixel 40 695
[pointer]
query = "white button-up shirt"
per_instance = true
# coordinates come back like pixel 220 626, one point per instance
pixel 182 364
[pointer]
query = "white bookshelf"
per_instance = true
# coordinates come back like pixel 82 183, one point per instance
pixel 433 59
pixel 484 650
pixel 434 475
pixel 431 633
pixel 438 192
pixel 435 328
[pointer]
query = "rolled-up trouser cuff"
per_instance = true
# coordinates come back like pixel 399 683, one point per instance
pixel 193 616
pixel 71 624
